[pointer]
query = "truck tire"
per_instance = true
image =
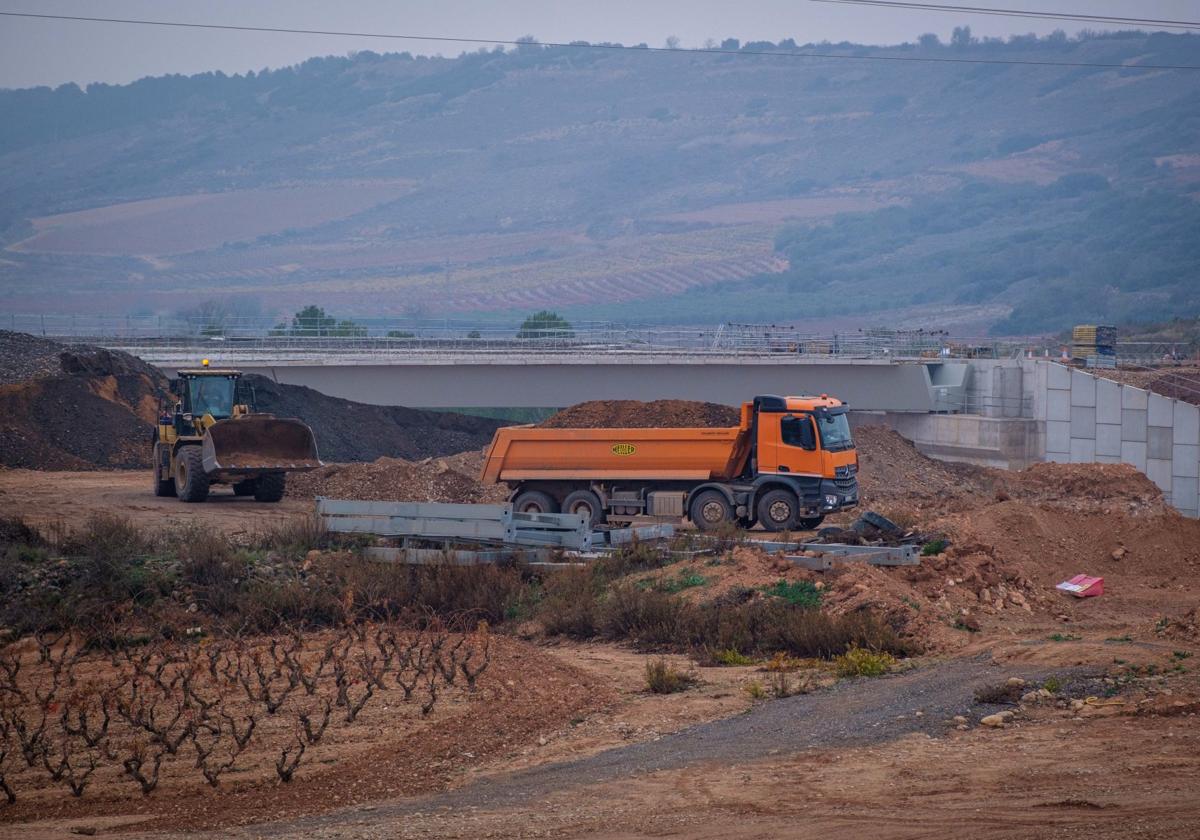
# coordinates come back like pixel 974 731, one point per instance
pixel 587 503
pixel 245 488
pixel 269 487
pixel 810 523
pixel 778 510
pixel 710 510
pixel 162 487
pixel 534 501
pixel 191 482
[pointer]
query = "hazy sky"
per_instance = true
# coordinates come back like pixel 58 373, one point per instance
pixel 40 52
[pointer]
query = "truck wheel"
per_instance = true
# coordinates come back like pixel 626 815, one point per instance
pixel 587 503
pixel 269 487
pixel 245 488
pixel 191 483
pixel 709 510
pixel 534 501
pixel 162 487
pixel 778 509
pixel 810 523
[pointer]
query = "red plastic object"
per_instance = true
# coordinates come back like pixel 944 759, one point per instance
pixel 1082 586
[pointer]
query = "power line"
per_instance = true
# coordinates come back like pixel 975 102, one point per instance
pixel 582 45
pixel 1025 13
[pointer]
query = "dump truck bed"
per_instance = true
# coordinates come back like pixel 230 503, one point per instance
pixel 527 453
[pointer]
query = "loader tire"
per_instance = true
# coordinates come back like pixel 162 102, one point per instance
pixel 270 487
pixel 588 504
pixel 191 482
pixel 162 486
pixel 534 501
pixel 245 488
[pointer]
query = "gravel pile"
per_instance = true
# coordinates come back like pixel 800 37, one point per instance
pixel 352 431
pixel 632 414
pixel 452 479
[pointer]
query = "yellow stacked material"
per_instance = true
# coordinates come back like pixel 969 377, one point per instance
pixel 1092 340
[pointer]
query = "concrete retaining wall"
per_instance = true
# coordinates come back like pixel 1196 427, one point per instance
pixel 1088 419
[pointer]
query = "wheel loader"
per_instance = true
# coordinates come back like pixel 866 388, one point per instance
pixel 213 436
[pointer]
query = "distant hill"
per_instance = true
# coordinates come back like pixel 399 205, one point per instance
pixel 624 184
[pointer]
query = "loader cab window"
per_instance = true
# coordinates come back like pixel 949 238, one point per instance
pixel 834 428
pixel 211 395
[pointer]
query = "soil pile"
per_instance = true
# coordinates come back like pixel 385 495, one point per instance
pixel 892 470
pixel 452 479
pixel 1090 487
pixel 633 414
pixel 74 407
pixel 77 407
pixel 352 431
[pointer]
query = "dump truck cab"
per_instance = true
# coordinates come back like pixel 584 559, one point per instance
pixel 788 463
pixel 802 445
pixel 212 435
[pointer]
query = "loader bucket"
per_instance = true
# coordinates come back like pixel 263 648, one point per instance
pixel 259 443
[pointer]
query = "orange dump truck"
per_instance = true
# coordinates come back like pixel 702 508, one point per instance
pixel 788 463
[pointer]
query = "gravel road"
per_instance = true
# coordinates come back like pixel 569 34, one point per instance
pixel 852 713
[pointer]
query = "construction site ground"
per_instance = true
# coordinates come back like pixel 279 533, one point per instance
pixel 565 740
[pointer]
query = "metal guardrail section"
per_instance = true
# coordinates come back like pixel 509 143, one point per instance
pixel 831 553
pixel 160 335
pixel 488 524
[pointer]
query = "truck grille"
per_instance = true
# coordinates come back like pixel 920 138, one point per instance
pixel 847 471
pixel 846 486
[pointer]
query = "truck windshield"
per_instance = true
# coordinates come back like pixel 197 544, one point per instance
pixel 835 431
pixel 212 395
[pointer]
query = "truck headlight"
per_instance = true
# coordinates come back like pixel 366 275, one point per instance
pixel 831 501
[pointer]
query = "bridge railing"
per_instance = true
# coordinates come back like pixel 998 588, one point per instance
pixel 271 337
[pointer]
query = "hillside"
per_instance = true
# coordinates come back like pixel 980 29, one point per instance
pixel 623 184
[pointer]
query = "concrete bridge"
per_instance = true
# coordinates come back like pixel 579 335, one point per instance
pixel 466 380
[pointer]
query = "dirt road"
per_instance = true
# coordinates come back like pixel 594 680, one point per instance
pixel 870 755
pixel 46 498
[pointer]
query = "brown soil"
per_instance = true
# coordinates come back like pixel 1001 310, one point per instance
pixel 53 498
pixel 632 414
pixel 390 750
pixel 75 407
pixel 451 479
pixel 1179 382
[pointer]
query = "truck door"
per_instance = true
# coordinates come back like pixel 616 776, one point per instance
pixel 787 444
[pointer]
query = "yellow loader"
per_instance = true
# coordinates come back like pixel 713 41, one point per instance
pixel 213 436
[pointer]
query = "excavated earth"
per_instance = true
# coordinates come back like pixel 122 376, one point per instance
pixel 632 414
pixel 77 407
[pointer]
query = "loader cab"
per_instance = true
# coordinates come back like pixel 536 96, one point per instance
pixel 206 392
pixel 803 436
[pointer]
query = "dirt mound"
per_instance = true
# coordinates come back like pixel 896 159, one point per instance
pixel 891 469
pixel 452 479
pixel 633 414
pixel 76 407
pixel 351 431
pixel 1086 487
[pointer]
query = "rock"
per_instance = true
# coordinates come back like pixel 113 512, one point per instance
pixel 960 720
pixel 962 727
pixel 542 741
pixel 1017 598
pixel 1015 682
pixel 995 721
pixel 86 830
pixel 1076 705
pixel 1119 552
